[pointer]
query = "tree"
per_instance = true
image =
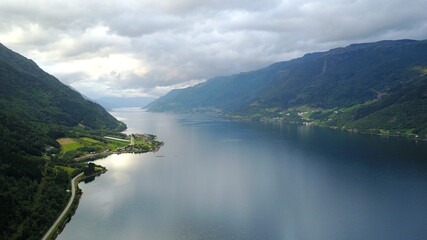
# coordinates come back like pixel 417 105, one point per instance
pixel 90 169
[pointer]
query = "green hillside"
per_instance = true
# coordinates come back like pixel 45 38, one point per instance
pixel 35 110
pixel 29 92
pixel 373 87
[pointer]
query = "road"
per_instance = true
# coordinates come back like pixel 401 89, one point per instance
pixel 73 194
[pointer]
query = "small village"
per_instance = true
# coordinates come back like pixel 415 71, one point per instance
pixel 141 143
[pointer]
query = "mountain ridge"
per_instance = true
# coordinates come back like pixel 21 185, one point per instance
pixel 328 88
pixel 28 91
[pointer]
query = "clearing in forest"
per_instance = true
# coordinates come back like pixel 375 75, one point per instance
pixel 68 144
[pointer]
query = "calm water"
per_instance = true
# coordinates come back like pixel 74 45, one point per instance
pixel 218 179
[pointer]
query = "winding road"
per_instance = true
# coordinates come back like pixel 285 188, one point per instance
pixel 73 194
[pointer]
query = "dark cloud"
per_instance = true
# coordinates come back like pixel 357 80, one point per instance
pixel 145 48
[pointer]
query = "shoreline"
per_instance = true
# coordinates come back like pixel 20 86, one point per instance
pixel 71 208
pixel 374 132
pixel 96 156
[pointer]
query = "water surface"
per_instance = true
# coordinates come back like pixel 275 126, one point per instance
pixel 218 179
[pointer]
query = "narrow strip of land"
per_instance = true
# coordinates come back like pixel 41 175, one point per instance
pixel 73 194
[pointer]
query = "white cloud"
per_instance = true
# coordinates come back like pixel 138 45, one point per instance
pixel 145 48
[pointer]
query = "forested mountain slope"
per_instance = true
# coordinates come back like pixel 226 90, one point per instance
pixel 29 92
pixel 375 87
pixel 35 110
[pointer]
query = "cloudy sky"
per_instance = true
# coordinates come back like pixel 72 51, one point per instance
pixel 144 48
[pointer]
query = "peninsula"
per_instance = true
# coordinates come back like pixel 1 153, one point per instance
pixel 99 147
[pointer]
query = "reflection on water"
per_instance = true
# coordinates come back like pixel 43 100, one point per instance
pixel 216 179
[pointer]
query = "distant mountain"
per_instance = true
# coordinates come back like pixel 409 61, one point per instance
pixel 120 102
pixel 31 93
pixel 374 87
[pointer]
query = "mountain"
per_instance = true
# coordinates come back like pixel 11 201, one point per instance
pixel 373 87
pixel 29 92
pixel 35 110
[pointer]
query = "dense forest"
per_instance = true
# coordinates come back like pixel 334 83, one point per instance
pixel 372 87
pixel 35 110
pixel 29 92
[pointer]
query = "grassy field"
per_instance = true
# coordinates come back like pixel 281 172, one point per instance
pixel 89 140
pixel 112 144
pixel 65 141
pixel 79 148
pixel 68 144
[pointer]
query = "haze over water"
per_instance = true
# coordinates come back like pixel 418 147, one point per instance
pixel 219 179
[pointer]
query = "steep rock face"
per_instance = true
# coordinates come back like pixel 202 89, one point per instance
pixel 377 85
pixel 31 93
